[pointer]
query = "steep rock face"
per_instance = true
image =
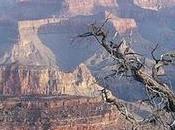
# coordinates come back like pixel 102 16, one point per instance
pixel 30 67
pixel 154 4
pixel 86 7
pixel 63 112
pixel 80 82
pixel 30 50
pixel 18 80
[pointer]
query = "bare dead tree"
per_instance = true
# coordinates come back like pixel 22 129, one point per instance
pixel 130 63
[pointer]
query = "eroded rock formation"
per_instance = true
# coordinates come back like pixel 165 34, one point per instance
pixel 154 4
pixel 30 50
pixel 27 80
pixel 122 25
pixel 30 68
pixel 58 113
pixel 86 7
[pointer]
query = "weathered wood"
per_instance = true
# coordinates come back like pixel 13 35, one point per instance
pixel 130 62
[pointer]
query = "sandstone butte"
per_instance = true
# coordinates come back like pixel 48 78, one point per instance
pixel 37 95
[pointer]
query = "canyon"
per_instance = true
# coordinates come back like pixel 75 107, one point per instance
pixel 41 43
pixel 47 71
pixel 30 67
pixel 63 112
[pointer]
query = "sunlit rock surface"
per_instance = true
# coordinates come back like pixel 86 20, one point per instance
pixel 86 7
pixel 63 112
pixel 40 56
pixel 50 44
pixel 19 80
pixel 31 68
pixel 154 4
pixel 122 25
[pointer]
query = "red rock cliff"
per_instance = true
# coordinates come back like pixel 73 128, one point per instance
pixel 24 80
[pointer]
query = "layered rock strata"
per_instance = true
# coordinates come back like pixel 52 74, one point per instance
pixel 58 113
pixel 30 67
pixel 30 50
pixel 19 80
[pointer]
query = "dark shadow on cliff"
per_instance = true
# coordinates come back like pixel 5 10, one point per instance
pixel 70 50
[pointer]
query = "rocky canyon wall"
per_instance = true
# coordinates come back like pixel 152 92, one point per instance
pixel 58 113
pixel 28 80
pixel 29 50
pixel 31 67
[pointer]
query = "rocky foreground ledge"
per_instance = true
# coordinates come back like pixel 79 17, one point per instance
pixel 61 112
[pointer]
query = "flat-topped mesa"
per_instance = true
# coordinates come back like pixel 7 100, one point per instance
pixel 154 4
pixel 30 50
pixel 18 80
pixel 86 7
pixel 122 25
